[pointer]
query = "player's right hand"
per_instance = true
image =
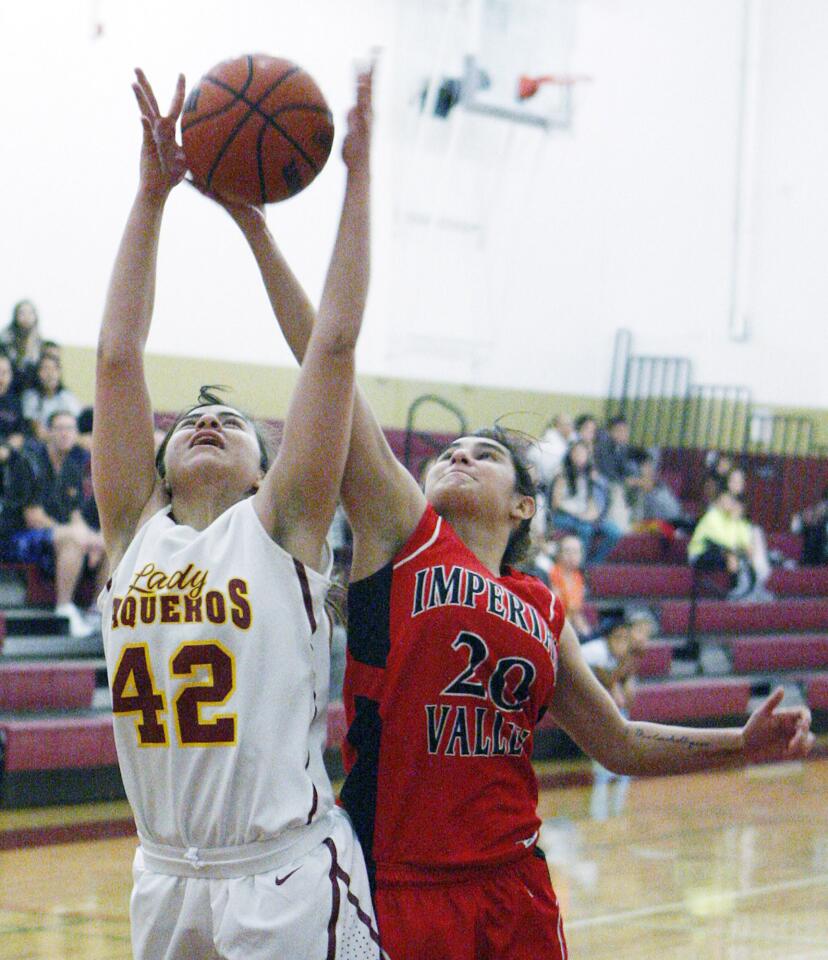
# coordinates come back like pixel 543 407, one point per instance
pixel 163 163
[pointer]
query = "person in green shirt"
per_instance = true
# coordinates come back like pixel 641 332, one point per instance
pixel 723 541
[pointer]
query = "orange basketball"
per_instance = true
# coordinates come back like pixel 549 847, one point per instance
pixel 256 129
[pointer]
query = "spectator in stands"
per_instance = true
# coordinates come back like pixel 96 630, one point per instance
pixel 47 396
pixel 12 424
pixel 52 349
pixel 654 500
pixel 586 427
pixel 58 513
pixel 21 341
pixel 723 541
pixel 567 581
pixel 16 494
pixel 717 466
pixel 812 524
pixel 579 502
pixel 643 628
pixel 607 656
pixel 614 460
pixel 736 483
pixel 547 456
pixel 85 421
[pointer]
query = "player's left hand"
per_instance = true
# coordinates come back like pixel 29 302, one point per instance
pixel 356 148
pixel 772 733
pixel 163 163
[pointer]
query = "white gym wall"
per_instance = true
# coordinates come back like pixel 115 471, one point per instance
pixel 688 201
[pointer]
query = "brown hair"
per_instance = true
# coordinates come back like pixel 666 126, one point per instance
pixel 207 398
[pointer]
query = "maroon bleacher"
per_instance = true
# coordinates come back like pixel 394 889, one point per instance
pixel 816 691
pixel 734 617
pixel 649 548
pixel 653 548
pixel 58 743
pixel 779 652
pixel 802 582
pixel 657 660
pixel 46 686
pixel 622 580
pixel 697 699
pixel 639 580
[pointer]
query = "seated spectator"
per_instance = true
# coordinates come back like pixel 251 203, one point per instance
pixel 547 455
pixel 736 483
pixel 607 656
pixel 614 460
pixel 578 502
pixel 86 419
pixel 49 518
pixel 12 424
pixel 642 630
pixel 723 541
pixel 653 500
pixel 812 524
pixel 47 396
pixel 717 466
pixel 586 428
pixel 21 342
pixel 51 349
pixel 567 582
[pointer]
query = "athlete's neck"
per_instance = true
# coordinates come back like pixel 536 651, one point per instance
pixel 487 543
pixel 199 508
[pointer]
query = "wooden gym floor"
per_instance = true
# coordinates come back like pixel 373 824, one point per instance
pixel 724 866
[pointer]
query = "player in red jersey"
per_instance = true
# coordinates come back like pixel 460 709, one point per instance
pixel 453 658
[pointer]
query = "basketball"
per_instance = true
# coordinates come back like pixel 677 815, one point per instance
pixel 256 129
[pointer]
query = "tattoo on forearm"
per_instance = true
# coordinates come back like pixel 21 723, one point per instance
pixel 683 740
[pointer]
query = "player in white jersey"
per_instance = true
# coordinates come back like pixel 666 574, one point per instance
pixel 214 625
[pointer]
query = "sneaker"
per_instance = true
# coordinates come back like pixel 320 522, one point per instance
pixel 93 617
pixel 758 595
pixel 78 627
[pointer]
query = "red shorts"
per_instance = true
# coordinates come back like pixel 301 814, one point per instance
pixel 504 913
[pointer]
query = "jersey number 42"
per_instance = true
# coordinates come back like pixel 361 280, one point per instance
pixel 134 692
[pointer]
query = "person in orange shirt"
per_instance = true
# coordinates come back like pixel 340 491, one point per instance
pixel 567 581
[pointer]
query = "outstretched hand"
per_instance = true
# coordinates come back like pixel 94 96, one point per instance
pixel 163 163
pixel 777 734
pixel 356 148
pixel 249 216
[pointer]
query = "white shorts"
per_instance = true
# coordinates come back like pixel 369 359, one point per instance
pixel 318 905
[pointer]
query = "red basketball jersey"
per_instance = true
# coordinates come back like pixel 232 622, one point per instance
pixel 449 669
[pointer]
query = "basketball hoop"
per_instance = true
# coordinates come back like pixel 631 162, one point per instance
pixel 528 86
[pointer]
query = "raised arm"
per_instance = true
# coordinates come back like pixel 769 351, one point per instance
pixel 299 495
pixel 123 468
pixel 582 707
pixel 382 499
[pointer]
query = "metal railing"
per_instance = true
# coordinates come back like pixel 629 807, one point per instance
pixel 426 438
pixel 665 408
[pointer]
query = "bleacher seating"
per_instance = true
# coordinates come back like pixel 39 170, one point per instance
pixel 779 652
pixel 55 726
pixel 687 701
pixel 67 685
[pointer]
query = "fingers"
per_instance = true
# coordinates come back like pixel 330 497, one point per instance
pixel 801 744
pixel 365 83
pixel 143 103
pixel 772 702
pixel 178 98
pixel 146 98
pixel 146 89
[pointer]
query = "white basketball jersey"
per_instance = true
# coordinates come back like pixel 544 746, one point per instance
pixel 217 648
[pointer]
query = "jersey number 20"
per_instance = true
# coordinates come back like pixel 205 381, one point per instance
pixel 134 691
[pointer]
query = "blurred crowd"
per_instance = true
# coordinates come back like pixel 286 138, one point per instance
pixel 47 510
pixel 595 487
